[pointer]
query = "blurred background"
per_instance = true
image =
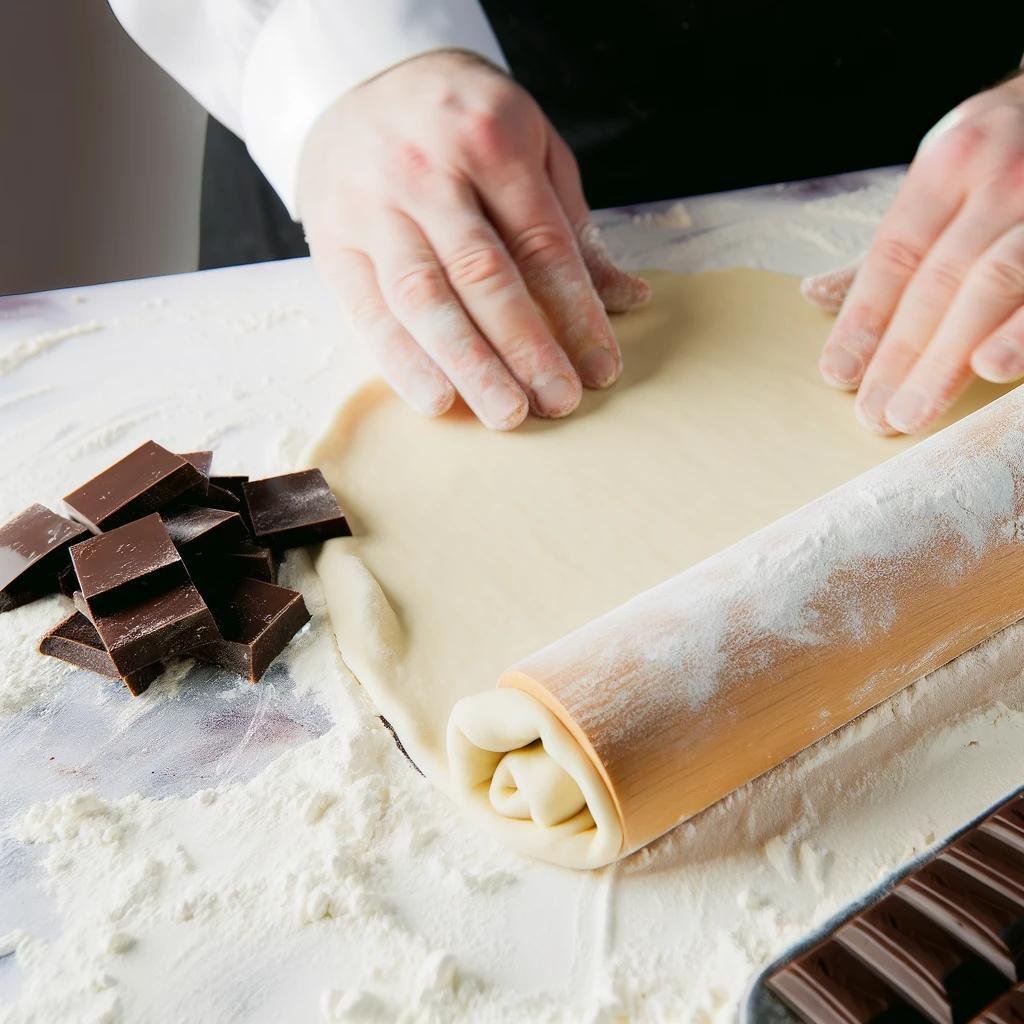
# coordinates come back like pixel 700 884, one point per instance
pixel 95 142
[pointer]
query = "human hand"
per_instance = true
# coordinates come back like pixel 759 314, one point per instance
pixel 940 294
pixel 449 218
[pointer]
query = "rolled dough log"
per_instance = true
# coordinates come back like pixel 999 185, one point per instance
pixel 472 550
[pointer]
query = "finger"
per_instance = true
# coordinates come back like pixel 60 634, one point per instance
pixel 618 290
pixel 1000 358
pixel 827 291
pixel 527 215
pixel 417 292
pixel 926 300
pixel 405 366
pixel 921 210
pixel 489 285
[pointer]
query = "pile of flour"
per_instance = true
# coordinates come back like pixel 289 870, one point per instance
pixel 334 883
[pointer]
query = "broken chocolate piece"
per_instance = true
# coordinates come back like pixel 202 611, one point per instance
pixel 828 984
pixel 76 641
pixel 256 620
pixel 294 509
pixel 33 553
pixel 117 568
pixel 195 530
pixel 202 461
pixel 157 627
pixel 144 481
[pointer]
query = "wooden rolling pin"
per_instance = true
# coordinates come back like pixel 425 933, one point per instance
pixel 702 683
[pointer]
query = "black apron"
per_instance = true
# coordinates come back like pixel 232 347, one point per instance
pixel 661 98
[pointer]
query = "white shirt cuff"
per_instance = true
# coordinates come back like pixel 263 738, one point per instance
pixel 310 52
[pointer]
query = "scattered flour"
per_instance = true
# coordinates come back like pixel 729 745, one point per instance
pixel 24 351
pixel 26 677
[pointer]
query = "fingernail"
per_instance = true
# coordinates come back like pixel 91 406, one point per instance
pixel 503 408
pixel 1001 361
pixel 908 410
pixel 429 398
pixel 842 367
pixel 870 409
pixel 557 397
pixel 599 368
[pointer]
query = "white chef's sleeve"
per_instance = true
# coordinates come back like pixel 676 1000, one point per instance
pixel 268 68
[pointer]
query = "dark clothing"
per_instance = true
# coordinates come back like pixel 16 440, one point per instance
pixel 664 98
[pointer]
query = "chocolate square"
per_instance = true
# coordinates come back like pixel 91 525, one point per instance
pixel 76 641
pixel 195 529
pixel 116 568
pixel 256 620
pixel 144 481
pixel 294 509
pixel 157 627
pixel 33 553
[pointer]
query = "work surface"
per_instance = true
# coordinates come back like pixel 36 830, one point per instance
pixel 252 362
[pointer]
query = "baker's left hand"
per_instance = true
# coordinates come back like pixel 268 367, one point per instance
pixel 940 294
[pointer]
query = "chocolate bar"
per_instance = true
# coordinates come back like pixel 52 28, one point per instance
pixel 146 480
pixel 295 509
pixel 943 943
pixel 76 641
pixel 256 620
pixel 157 627
pixel 195 530
pixel 33 554
pixel 116 568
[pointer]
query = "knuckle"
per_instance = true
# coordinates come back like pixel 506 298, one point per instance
pixel 1003 275
pixel 411 161
pixel 484 133
pixel 944 277
pixel 420 287
pixel 898 256
pixel 480 264
pixel 542 245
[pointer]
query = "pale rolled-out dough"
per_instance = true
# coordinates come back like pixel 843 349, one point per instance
pixel 473 549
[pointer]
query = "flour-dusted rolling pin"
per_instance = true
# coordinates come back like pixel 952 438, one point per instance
pixel 607 738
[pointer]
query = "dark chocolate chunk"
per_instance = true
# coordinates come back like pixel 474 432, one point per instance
pixel 295 509
pixel 924 963
pixel 144 481
pixel 117 568
pixel 830 986
pixel 203 461
pixel 1007 1010
pixel 1007 824
pixel 195 530
pixel 219 569
pixel 228 487
pixel 984 920
pixel 157 627
pixel 220 497
pixel 67 581
pixel 76 641
pixel 33 554
pixel 256 620
pixel 991 861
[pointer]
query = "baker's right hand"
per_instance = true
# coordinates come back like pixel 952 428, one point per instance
pixel 448 216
